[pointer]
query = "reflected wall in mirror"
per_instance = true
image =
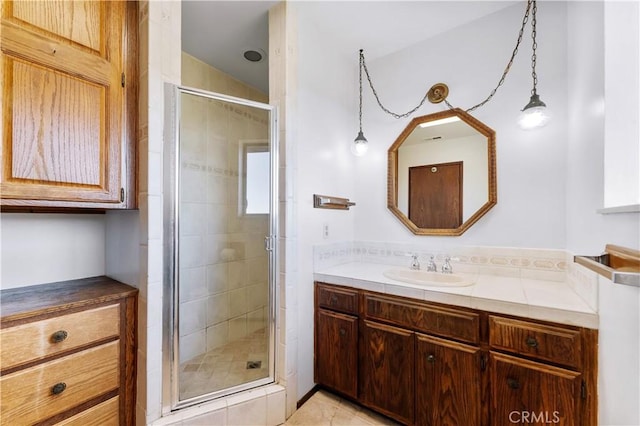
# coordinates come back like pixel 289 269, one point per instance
pixel 442 173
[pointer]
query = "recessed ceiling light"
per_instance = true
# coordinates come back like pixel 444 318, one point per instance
pixel 253 55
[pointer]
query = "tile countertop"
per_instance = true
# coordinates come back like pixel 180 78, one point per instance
pixel 529 298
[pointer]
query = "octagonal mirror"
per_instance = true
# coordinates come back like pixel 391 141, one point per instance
pixel 442 173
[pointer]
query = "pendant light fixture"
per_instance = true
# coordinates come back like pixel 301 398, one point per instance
pixel 535 114
pixel 360 145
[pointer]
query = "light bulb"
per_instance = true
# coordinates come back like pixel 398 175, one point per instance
pixel 535 114
pixel 360 145
pixel 532 118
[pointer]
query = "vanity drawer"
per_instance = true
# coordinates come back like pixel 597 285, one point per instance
pixel 423 317
pixel 28 395
pixel 337 299
pixel 103 414
pixel 35 340
pixel 544 342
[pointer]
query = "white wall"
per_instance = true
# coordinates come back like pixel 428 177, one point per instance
pixel 324 164
pixel 44 248
pixel 622 121
pixel 618 354
pixel 589 231
pixel 531 166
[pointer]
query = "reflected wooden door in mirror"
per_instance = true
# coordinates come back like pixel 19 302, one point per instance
pixel 442 173
pixel 435 195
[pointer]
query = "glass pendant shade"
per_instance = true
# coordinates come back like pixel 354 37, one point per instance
pixel 360 145
pixel 535 114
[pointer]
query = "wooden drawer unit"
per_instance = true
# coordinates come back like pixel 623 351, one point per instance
pixel 453 323
pixel 68 353
pixel 337 299
pixel 103 414
pixel 555 344
pixel 58 334
pixel 47 389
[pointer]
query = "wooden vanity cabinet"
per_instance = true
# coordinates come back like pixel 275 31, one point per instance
pixel 336 340
pixel 336 363
pixel 449 378
pixel 69 104
pixel 424 363
pixel 387 370
pixel 541 373
pixel 425 377
pixel 68 353
pixel 524 391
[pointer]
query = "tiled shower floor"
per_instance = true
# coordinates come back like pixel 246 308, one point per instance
pixel 225 366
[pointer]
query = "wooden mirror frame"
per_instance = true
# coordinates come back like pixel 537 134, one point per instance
pixel 392 175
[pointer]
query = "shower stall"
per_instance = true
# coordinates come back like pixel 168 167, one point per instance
pixel 220 216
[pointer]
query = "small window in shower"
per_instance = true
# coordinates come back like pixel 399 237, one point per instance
pixel 254 188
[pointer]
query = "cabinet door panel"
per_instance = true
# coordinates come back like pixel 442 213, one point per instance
pixel 336 352
pixel 60 137
pixel 63 101
pixel 448 382
pixel 78 21
pixel 387 370
pixel 524 391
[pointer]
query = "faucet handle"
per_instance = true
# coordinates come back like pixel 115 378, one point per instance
pixel 415 264
pixel 431 267
pixel 446 266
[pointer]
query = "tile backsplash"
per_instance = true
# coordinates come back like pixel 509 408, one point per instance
pixel 525 263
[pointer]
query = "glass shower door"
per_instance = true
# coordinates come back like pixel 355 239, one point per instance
pixel 221 204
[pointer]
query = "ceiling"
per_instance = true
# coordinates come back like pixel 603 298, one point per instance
pixel 218 32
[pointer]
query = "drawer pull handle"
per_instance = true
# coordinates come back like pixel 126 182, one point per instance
pixel 58 388
pixel 431 358
pixel 59 336
pixel 513 383
pixel 334 299
pixel 532 342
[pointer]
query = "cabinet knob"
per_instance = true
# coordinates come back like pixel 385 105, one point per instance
pixel 342 332
pixel 334 299
pixel 59 336
pixel 58 388
pixel 431 358
pixel 513 383
pixel 532 342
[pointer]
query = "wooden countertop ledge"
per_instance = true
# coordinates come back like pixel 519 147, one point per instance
pixel 42 299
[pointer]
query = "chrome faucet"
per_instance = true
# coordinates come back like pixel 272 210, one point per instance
pixel 446 266
pixel 432 267
pixel 415 265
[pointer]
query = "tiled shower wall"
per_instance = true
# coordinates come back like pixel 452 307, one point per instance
pixel 223 263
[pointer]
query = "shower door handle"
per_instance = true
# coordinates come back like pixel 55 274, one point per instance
pixel 268 243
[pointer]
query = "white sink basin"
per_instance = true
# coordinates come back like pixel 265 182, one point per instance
pixel 431 279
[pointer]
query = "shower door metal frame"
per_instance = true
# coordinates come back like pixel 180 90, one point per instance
pixel 171 201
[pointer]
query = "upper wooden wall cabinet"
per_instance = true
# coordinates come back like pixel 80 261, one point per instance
pixel 69 104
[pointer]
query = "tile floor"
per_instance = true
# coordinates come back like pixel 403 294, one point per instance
pixel 225 366
pixel 324 408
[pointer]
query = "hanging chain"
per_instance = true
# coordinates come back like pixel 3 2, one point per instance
pixel 513 55
pixel 534 57
pixel 360 72
pixel 493 92
pixel 396 115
